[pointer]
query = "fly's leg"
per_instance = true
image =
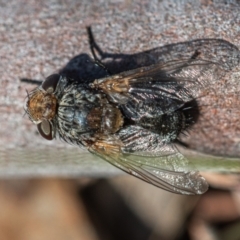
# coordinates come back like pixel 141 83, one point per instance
pixel 195 56
pixel 31 81
pixel 93 47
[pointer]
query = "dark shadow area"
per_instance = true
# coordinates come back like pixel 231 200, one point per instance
pixel 111 216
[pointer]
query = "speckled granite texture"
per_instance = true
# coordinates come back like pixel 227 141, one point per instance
pixel 39 38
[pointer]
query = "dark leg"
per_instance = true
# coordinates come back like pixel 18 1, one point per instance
pixel 31 81
pixel 193 57
pixel 93 47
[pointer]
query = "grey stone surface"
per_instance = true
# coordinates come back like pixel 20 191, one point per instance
pixel 38 38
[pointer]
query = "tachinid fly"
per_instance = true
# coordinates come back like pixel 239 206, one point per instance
pixel 133 118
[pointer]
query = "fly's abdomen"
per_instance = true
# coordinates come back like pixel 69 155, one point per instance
pixel 168 126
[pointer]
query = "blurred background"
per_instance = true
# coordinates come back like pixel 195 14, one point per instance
pixel 51 190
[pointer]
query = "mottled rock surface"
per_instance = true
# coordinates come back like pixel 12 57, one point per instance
pixel 40 38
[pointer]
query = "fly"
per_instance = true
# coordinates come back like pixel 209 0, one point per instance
pixel 133 118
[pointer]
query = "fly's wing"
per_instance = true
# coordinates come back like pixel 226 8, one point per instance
pixel 217 50
pixel 161 165
pixel 159 89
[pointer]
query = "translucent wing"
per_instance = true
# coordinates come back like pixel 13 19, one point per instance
pixel 160 165
pixel 217 50
pixel 161 88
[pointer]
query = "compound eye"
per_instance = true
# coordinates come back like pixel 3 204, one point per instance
pixel 45 129
pixel 50 84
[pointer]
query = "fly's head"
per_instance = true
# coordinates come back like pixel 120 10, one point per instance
pixel 41 106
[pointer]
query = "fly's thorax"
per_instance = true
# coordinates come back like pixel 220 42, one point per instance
pixel 41 105
pixel 82 113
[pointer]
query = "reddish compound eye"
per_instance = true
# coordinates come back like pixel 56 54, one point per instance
pixel 45 128
pixel 50 84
